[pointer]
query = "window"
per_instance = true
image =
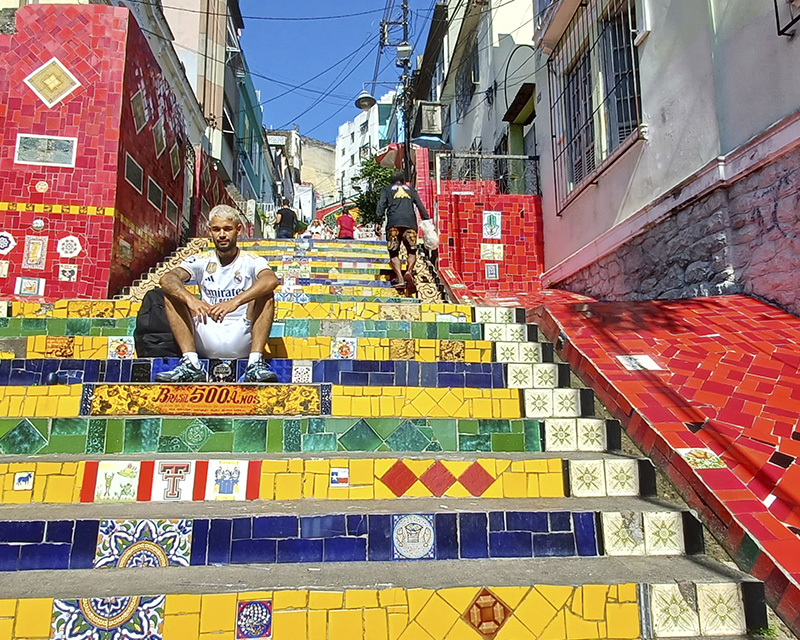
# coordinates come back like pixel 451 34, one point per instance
pixel 155 194
pixel 594 90
pixel 172 211
pixel 363 153
pixel 352 160
pixel 467 78
pixel 134 173
pixel 364 128
pixel 352 138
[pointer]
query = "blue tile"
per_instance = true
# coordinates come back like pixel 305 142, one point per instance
pixel 455 380
pixel 380 537
pixel 18 377
pixel 351 378
pixel 219 542
pixel 428 374
pixel 497 521
pixel 585 533
pixel 199 542
pixel 275 527
pixel 9 557
pixel 331 368
pixel 44 556
pixel 386 379
pixel 413 373
pixel 560 521
pixel 401 372
pixel 126 370
pixel 257 551
pixel 345 549
pixel 553 544
pixel 445 526
pixel 498 377
pixel 367 366
pixel 22 531
pixel 242 528
pixel 527 521
pixel 323 526
pixel 510 544
pixel 318 371
pixel 59 531
pixel 473 530
pixel 300 550
pixel 113 370
pixel 386 366
pixel 479 380
pixel 84 544
pixel 5 372
pixel 357 525
pixel 446 367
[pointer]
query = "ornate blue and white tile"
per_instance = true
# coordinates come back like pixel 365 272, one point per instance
pixel 413 537
pixel 227 480
pixel 116 618
pixel 143 543
pixel 254 619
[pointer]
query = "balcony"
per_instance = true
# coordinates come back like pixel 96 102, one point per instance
pixel 552 19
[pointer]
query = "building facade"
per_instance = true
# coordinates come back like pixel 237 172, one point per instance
pixel 319 169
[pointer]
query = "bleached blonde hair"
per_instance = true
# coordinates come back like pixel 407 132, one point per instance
pixel 226 212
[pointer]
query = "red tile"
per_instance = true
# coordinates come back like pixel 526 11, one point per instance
pixel 399 478
pixel 476 479
pixel 437 478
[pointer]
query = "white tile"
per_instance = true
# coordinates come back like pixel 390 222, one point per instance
pixel 117 481
pixel 538 403
pixel 227 480
pixel 505 314
pixel 516 332
pixel 591 434
pixel 485 314
pixel 586 479
pixel 566 403
pixel 507 351
pixel 545 376
pixel 494 332
pixel 674 611
pixel 520 376
pixel 663 533
pixel 721 609
pixel 302 372
pixel 623 534
pixel 622 477
pixel 530 352
pixel 344 348
pixel 560 434
pixel 173 481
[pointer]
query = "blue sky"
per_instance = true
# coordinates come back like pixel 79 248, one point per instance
pixel 293 52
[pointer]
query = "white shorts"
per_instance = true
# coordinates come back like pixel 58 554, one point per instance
pixel 226 340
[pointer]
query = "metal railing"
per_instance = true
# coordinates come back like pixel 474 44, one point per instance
pixel 512 174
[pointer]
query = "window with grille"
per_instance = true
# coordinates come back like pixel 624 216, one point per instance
pixel 467 78
pixel 594 90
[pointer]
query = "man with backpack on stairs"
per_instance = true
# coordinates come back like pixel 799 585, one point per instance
pixel 233 316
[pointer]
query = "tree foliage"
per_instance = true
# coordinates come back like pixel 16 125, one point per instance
pixel 374 178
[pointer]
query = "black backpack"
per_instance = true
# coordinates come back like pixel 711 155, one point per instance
pixel 153 336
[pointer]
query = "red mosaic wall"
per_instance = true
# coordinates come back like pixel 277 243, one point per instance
pixel 210 192
pixel 103 48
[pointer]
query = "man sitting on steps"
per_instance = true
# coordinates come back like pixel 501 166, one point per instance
pixel 233 316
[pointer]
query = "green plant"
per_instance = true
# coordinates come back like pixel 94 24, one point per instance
pixel 375 178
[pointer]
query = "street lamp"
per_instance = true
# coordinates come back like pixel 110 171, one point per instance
pixel 365 101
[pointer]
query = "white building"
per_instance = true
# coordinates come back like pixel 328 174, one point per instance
pixel 359 139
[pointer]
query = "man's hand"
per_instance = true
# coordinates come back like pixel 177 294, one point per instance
pixel 199 309
pixel 378 229
pixel 218 312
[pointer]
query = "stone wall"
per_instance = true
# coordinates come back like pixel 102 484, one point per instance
pixel 738 239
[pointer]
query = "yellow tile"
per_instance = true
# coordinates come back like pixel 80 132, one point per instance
pixel 515 485
pixel 274 466
pixel 414 631
pixel 243 596
pixel 375 624
pixel 361 471
pixel 557 595
pixel 456 467
pixel 266 488
pixel 513 629
pixel 594 601
pixel 533 486
pixel 362 493
pixel 390 597
pixel 33 618
pixel 60 489
pixel 627 592
pixel 39 483
pixel 462 631
pixel 288 486
pixel 556 630
pixel 437 617
pixel 325 599
pixel 185 627
pixel 551 485
pixel 338 493
pixel 554 465
pixel 180 603
pixel 7 608
pixel 317 625
pixel 308 485
pixel 290 625
pixel 17 497
pixel 69 407
pixel 341 625
pixel 217 612
pixel 512 596
pixel 296 465
pixel 360 598
pixel 318 466
pixel 321 485
pixel 417 599
pixel 228 635
pixel 290 599
pixel 47 468
pixel 622 620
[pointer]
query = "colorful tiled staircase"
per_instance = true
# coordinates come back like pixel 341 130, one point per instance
pixel 422 470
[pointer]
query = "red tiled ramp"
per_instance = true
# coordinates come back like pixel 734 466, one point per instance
pixel 720 416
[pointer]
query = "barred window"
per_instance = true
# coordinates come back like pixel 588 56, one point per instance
pixel 467 78
pixel 594 90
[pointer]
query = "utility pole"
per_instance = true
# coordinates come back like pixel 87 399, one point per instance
pixel 406 62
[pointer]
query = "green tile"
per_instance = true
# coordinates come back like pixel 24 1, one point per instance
pixel 275 436
pixel 23 439
pixel 508 442
pixel 96 438
pixel 33 326
pixel 196 434
pixel 338 425
pixel 70 427
pixel 360 437
pixel 469 427
pixel 533 435
pixel 78 326
pixel 219 425
pixel 173 426
pixel 419 330
pixel 316 425
pixel 250 436
pixel 56 326
pixel 493 426
pixel 219 442
pixel 67 444
pixel 384 427
pixel 383 447
pixel 319 442
pixel 433 446
pixel 431 330
pixel 7 424
pixel 291 436
pixel 114 436
pixel 408 437
pixel 517 426
pixel 748 552
pixel 172 444
pixel 474 443
pixel 141 436
pixel 444 432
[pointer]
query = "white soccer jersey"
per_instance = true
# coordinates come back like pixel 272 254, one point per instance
pixel 219 283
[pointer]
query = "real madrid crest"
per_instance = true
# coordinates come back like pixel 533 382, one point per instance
pixel 237 278
pixel 211 267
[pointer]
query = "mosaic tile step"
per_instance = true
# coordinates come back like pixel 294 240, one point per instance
pixel 46 371
pixel 410 309
pixel 44 436
pixel 375 296
pixel 189 480
pixel 27 545
pixel 613 611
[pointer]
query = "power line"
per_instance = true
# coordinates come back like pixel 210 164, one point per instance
pixel 154 3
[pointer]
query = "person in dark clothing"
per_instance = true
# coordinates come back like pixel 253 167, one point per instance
pixel 397 204
pixel 286 221
pixel 346 226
